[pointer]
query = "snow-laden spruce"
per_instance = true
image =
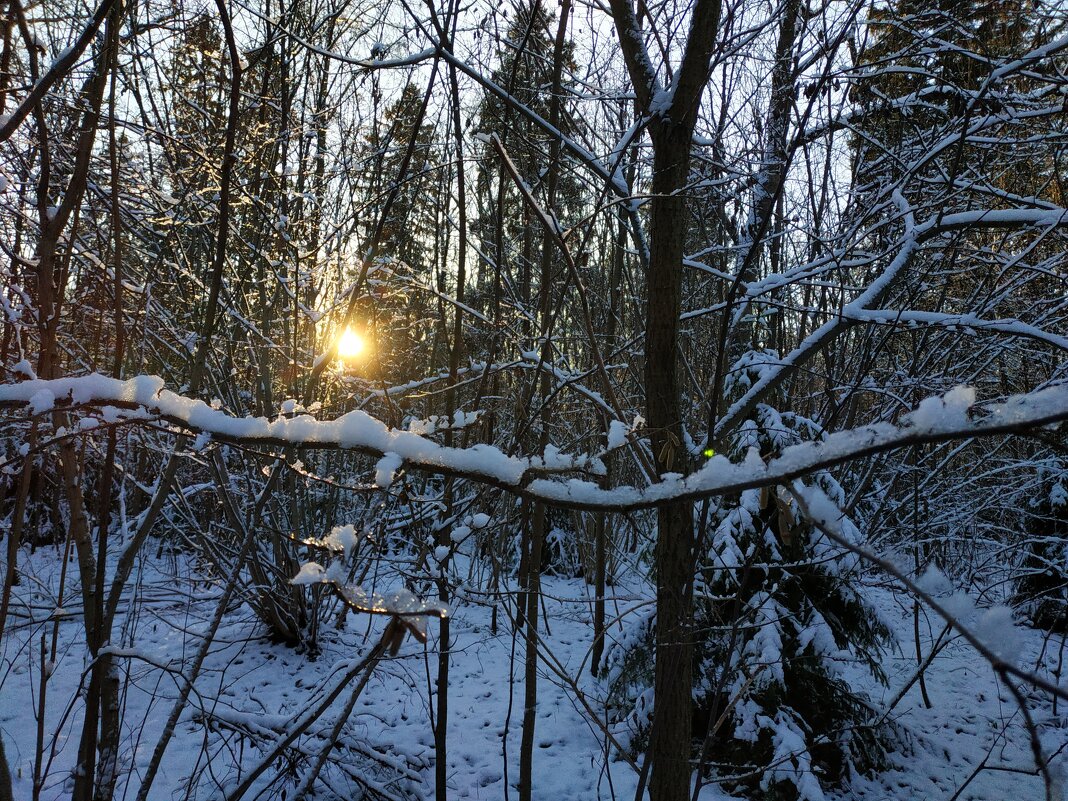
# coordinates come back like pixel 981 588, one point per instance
pixel 779 612
pixel 1041 591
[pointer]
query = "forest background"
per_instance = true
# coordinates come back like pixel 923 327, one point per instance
pixel 344 323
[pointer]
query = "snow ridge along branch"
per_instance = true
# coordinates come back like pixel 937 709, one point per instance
pixel 552 478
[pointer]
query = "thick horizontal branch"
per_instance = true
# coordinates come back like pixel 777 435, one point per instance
pixel 543 478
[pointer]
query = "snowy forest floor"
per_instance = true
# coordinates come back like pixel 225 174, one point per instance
pixel 974 736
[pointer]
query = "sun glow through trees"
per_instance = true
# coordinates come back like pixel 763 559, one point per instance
pixel 351 345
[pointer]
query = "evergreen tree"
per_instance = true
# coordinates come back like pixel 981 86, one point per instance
pixel 185 234
pixel 796 602
pixel 1041 591
pixel 779 611
pixel 199 118
pixel 524 72
pixel 413 238
pixel 408 231
pixel 921 70
pixel 937 130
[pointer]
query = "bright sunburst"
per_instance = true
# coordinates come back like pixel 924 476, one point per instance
pixel 350 345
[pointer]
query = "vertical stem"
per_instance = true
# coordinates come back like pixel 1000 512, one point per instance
pixel 537 539
pixel 916 555
pixel 441 732
pixel 14 534
pixel 5 775
pixel 1060 665
pixel 530 666
pixel 600 559
pixel 38 754
pixel 110 723
pixel 671 131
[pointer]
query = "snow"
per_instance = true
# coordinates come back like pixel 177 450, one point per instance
pixel 310 573
pixel 23 368
pixel 42 401
pixel 764 650
pixel 934 582
pixel 617 434
pixel 997 631
pixel 948 411
pixel 343 538
pixel 385 551
pixel 386 469
pixel 262 687
pixel 791 755
pixel 1058 496
pixel 946 417
pixel 401 601
pixel 355 430
pixel 970 323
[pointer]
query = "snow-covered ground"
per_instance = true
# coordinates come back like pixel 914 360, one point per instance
pixel 973 737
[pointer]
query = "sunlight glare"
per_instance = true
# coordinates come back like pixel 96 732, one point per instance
pixel 350 345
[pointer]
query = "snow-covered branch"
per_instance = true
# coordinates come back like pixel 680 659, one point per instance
pixel 858 309
pixel 951 417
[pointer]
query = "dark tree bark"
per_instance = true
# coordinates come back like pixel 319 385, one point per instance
pixel 672 118
pixel 5 775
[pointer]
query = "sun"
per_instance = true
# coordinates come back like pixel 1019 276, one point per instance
pixel 350 345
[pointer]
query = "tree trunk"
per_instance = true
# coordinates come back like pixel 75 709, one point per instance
pixel 669 742
pixel 530 663
pixel 5 775
pixel 673 117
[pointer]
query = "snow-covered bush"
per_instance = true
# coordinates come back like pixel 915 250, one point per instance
pixel 628 674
